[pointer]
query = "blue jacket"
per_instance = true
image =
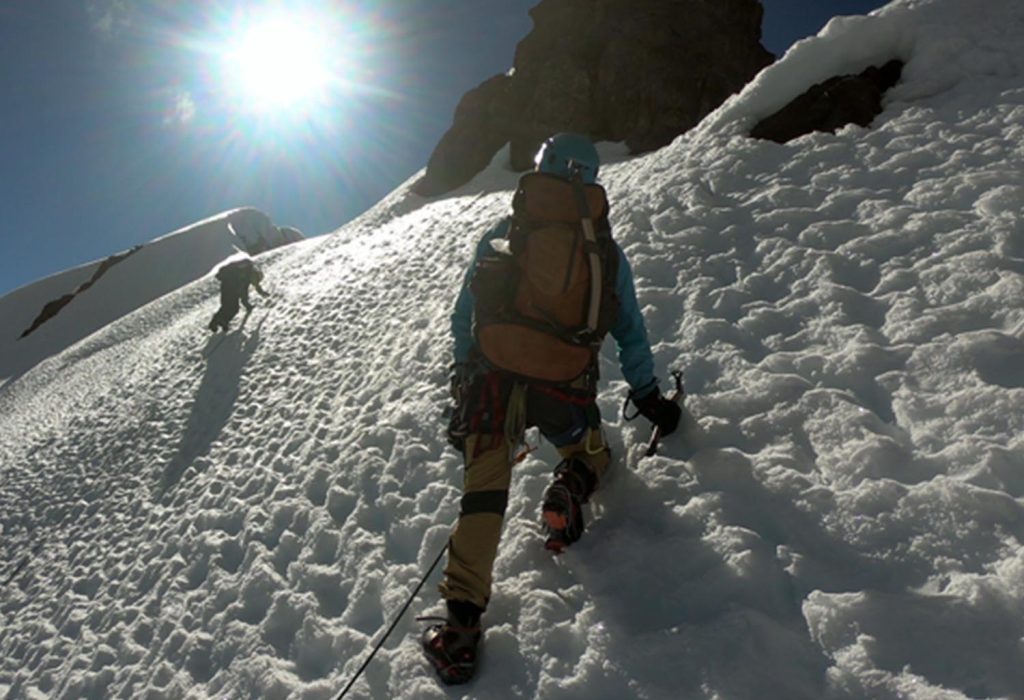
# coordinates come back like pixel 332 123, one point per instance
pixel 629 332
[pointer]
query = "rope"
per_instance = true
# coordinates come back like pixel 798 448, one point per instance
pixel 395 623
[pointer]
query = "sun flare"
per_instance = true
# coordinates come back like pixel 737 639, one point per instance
pixel 278 62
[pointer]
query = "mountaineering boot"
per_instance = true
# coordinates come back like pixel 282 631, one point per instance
pixel 562 511
pixel 450 645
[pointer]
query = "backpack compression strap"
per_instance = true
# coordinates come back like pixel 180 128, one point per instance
pixel 594 311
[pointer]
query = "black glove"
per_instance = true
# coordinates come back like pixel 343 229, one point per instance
pixel 663 413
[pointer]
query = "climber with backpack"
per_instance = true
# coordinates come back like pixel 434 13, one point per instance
pixel 546 285
pixel 235 278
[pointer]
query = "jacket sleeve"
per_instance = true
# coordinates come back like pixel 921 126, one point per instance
pixel 630 334
pixel 462 316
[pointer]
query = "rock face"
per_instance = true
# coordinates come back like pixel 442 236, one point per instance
pixel 638 71
pixel 52 308
pixel 831 105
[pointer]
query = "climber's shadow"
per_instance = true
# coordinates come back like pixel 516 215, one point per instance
pixel 213 403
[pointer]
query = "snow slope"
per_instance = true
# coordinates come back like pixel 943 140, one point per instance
pixel 154 269
pixel 843 519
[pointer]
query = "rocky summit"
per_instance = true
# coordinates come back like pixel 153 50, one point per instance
pixel 635 71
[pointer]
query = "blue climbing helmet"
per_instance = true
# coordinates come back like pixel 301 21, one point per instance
pixel 566 154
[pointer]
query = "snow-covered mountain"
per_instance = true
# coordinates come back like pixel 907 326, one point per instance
pixel 42 318
pixel 187 518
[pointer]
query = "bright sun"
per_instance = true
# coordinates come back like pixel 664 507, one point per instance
pixel 278 62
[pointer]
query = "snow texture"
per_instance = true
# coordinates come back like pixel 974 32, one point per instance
pixel 843 518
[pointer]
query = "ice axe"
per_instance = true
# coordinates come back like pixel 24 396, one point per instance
pixel 676 396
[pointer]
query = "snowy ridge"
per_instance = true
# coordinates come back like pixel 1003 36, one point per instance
pixel 844 518
pixel 948 47
pixel 144 274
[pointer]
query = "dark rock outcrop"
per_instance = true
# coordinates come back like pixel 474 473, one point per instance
pixel 638 71
pixel 482 127
pixel 831 105
pixel 52 308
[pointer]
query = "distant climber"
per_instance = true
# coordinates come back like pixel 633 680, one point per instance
pixel 546 286
pixel 235 278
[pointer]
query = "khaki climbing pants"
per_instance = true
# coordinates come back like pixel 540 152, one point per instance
pixel 568 419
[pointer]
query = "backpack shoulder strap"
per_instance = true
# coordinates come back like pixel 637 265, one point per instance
pixel 593 254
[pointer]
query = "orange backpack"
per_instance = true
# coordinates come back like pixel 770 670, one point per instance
pixel 545 294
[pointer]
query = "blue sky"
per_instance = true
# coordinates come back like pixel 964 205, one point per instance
pixel 121 122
